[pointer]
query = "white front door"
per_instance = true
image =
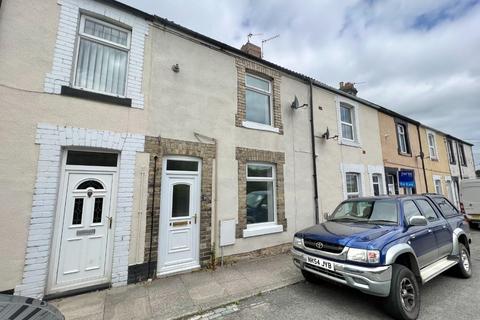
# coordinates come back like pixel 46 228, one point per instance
pixel 83 243
pixel 179 216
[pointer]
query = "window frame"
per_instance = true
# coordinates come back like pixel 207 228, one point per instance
pixel 379 176
pixel 461 155
pixel 352 125
pixel 418 201
pixel 82 35
pixel 439 179
pixel 358 193
pixel 450 152
pixel 405 139
pixel 269 93
pixel 272 179
pixel 432 146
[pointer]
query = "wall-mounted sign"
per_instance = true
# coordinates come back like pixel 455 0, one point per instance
pixel 406 179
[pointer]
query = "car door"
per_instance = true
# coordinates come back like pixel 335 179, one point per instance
pixel 439 227
pixel 421 238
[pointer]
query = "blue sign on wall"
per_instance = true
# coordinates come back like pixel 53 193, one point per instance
pixel 406 179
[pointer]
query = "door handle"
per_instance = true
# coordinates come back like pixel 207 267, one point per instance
pixel 110 222
pixel 195 218
pixel 429 230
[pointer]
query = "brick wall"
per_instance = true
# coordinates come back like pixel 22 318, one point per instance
pixel 244 155
pixel 244 66
pixel 161 147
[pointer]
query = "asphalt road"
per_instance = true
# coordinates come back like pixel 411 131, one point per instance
pixel 445 297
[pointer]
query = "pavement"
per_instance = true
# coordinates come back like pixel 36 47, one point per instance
pixel 444 297
pixel 187 295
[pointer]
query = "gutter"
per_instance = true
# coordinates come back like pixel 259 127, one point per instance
pixel 314 155
pixel 422 156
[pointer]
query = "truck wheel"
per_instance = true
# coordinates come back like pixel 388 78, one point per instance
pixel 404 299
pixel 464 266
pixel 310 277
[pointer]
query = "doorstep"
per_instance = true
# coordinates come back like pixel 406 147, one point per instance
pixel 184 295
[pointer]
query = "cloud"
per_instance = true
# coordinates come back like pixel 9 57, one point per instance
pixel 419 58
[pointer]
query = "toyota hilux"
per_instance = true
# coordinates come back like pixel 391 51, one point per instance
pixel 387 247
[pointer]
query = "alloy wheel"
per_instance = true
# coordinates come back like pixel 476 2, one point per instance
pixel 407 294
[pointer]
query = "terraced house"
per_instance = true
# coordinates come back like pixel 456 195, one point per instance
pixel 134 148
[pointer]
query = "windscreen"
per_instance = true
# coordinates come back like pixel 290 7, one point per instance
pixel 367 211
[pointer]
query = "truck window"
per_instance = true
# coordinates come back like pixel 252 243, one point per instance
pixel 446 207
pixel 427 210
pixel 410 210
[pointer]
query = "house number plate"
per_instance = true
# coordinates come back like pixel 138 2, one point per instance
pixel 87 232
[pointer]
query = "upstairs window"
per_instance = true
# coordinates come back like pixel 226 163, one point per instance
pixel 347 121
pixel 461 155
pixel 403 145
pixel 102 57
pixel 258 99
pixel 451 154
pixel 432 146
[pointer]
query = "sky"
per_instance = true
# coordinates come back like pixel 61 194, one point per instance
pixel 419 58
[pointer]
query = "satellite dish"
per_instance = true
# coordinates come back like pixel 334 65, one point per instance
pixel 326 134
pixel 295 104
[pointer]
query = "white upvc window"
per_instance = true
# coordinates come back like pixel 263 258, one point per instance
pixel 432 145
pixel 391 184
pixel 377 184
pixel 258 100
pixel 437 181
pixel 347 121
pixel 353 185
pixel 261 200
pixel 402 138
pixel 102 57
pixel 461 155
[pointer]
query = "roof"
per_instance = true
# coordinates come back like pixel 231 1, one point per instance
pixel 225 47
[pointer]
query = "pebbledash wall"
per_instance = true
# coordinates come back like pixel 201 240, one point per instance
pixel 53 140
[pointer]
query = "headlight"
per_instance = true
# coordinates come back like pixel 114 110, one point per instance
pixel 297 242
pixel 362 255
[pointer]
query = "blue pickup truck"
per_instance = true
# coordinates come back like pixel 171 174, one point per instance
pixel 386 246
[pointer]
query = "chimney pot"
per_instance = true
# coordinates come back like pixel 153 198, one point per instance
pixel 348 87
pixel 252 49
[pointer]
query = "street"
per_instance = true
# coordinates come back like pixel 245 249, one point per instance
pixel 445 297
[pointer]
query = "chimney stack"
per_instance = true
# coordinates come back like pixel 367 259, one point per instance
pixel 348 87
pixel 252 49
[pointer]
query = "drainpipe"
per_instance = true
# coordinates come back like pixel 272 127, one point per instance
pixel 155 158
pixel 422 156
pixel 314 155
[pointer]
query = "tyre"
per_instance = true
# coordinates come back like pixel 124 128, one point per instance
pixel 404 299
pixel 310 277
pixel 464 267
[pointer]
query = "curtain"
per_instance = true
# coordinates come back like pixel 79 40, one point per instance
pixel 101 68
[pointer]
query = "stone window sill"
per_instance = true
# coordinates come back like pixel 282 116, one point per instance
pixel 350 143
pixel 259 126
pixel 253 231
pixel 95 96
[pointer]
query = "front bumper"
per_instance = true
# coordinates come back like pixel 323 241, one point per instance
pixel 375 280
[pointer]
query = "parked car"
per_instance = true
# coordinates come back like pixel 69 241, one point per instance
pixel 22 308
pixel 386 246
pixel 470 200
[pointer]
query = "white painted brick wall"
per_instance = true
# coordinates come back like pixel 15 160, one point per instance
pixel 52 139
pixel 64 52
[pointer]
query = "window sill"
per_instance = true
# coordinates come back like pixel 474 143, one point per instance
pixel 254 231
pixel 350 143
pixel 90 95
pixel 405 154
pixel 259 126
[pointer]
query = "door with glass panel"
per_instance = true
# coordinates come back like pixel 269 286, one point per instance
pixel 179 216
pixel 86 224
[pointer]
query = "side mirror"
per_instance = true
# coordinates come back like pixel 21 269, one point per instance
pixel 326 216
pixel 417 221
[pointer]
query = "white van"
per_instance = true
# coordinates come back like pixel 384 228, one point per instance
pixel 470 200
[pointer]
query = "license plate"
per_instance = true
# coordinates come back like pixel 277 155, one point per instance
pixel 320 263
